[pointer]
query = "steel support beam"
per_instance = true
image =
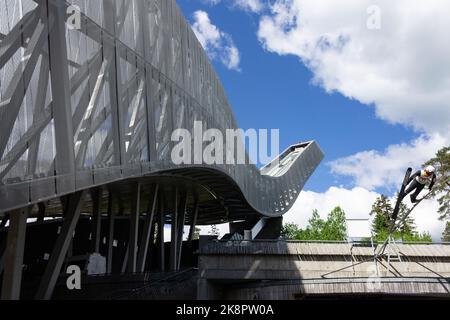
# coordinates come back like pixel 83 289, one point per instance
pixel 134 228
pixel 111 217
pixel 2 255
pixel 146 231
pixel 15 92
pixel 13 256
pixel 60 83
pixel 193 221
pixel 53 269
pixel 174 232
pixel 96 195
pixel 181 221
pixel 41 212
pixel 125 260
pixel 151 252
pixel 161 224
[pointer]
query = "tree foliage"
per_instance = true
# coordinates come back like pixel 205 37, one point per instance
pixel 446 233
pixel 333 228
pixel 441 189
pixel 381 225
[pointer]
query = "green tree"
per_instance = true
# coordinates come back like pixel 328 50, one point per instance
pixel 196 235
pixel 382 210
pixel 333 228
pixel 289 231
pixel 381 225
pixel 446 233
pixel 441 189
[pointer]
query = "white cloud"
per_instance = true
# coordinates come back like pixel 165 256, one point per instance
pixel 255 6
pixel 403 68
pixel 357 204
pixel 249 5
pixel 373 169
pixel 217 44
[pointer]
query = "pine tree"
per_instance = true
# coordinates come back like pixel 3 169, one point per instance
pixel 382 210
pixel 446 233
pixel 441 189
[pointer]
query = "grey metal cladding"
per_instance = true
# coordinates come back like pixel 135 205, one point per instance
pixel 88 106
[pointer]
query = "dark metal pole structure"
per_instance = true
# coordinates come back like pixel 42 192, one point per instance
pixel 181 221
pixel 146 231
pixel 96 195
pixel 53 269
pixel 111 217
pixel 41 212
pixel 2 255
pixel 174 232
pixel 194 220
pixel 13 256
pixel 134 228
pixel 161 224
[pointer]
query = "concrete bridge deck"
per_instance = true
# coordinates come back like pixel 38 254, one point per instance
pixel 291 270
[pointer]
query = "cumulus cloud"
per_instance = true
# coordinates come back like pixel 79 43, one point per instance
pixel 373 169
pixel 217 44
pixel 249 5
pixel 246 5
pixel 403 68
pixel 357 204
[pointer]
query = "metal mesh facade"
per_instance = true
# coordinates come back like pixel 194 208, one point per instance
pixel 84 107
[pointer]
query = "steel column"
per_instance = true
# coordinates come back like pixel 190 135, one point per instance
pixel 60 84
pixel 13 256
pixel 181 220
pixel 2 255
pixel 193 221
pixel 125 260
pixel 146 231
pixel 52 271
pixel 96 195
pixel 134 228
pixel 111 217
pixel 174 233
pixel 41 212
pixel 161 225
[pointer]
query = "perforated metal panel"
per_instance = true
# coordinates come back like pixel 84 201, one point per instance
pixel 98 104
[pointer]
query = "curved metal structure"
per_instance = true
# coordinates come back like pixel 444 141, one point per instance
pixel 90 93
pixel 93 101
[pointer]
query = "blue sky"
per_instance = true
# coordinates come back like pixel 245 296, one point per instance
pixel 369 115
pixel 273 91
